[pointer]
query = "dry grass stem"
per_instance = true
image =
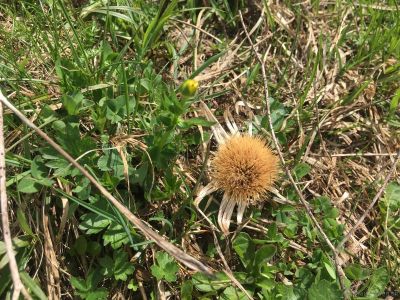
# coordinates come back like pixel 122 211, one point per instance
pixel 372 204
pixel 228 270
pixel 51 264
pixel 18 286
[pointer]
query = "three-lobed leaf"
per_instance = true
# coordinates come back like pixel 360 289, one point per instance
pixel 118 267
pixel 165 267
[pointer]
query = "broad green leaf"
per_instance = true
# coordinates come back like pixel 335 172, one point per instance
pixel 47 114
pixel 28 185
pixel 132 285
pixel 272 232
pixel 80 245
pixel 109 160
pixel 107 264
pixel 82 188
pixel 324 289
pixel 274 236
pixel 38 168
pixel 165 267
pixel 244 247
pixel 278 113
pixel 322 204
pixel 204 283
pixel 93 248
pixel 87 288
pixel 285 292
pixel 72 103
pixel 231 293
pixel 185 124
pixel 394 103
pixel 146 83
pixel 301 170
pixel 98 294
pixel 378 282
pixel 60 164
pixel 79 284
pixel 392 195
pixel 331 271
pixel 113 116
pixel 267 270
pixel 95 208
pixel 357 272
pixel 32 286
pixel 23 223
pixel 18 242
pixel 186 290
pixel 70 138
pixel 263 254
pixel 267 285
pixel 139 175
pixel 16 178
pixel 93 223
pixel 116 236
pixel 122 267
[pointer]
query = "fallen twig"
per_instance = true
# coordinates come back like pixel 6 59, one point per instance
pixel 18 286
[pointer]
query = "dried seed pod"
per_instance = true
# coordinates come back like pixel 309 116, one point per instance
pixel 244 168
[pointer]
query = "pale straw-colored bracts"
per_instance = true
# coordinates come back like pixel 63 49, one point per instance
pixel 243 168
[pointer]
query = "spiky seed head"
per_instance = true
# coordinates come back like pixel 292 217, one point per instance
pixel 244 167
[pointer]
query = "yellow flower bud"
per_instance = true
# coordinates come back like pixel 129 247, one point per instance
pixel 189 87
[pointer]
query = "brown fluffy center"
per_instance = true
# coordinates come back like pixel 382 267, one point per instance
pixel 244 167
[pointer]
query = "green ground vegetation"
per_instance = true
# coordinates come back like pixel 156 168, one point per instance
pixel 103 79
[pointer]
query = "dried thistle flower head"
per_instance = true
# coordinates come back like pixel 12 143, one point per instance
pixel 243 168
